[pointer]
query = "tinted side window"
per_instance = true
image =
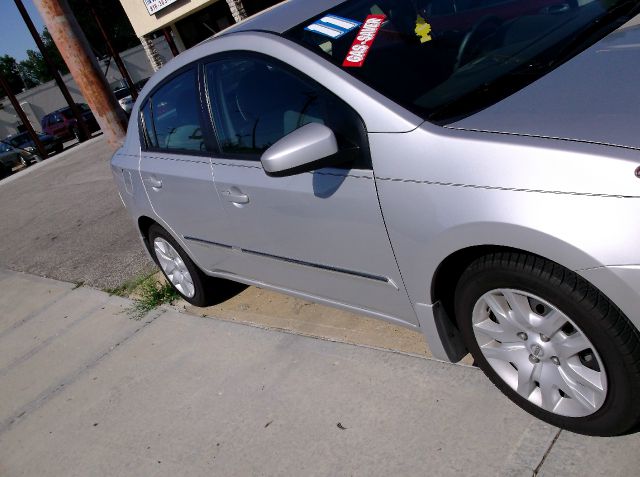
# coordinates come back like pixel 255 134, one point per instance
pixel 256 102
pixel 176 114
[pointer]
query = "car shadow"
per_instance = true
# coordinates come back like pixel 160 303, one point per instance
pixel 327 181
pixel 223 290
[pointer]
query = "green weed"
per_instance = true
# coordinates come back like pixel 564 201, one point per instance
pixel 150 294
pixel 129 287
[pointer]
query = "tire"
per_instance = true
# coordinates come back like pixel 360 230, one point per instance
pixel 59 148
pixel 570 357
pixel 25 163
pixel 199 294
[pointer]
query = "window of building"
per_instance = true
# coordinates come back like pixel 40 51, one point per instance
pixel 251 7
pixel 204 23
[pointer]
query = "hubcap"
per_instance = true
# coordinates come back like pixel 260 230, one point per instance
pixel 539 352
pixel 174 267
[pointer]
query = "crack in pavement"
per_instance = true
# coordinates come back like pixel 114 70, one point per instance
pixel 46 342
pixel 546 454
pixel 32 315
pixel 54 390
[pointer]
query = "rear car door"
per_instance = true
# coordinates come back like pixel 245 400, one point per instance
pixel 320 233
pixel 176 171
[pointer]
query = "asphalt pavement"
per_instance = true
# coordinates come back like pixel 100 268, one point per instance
pixel 85 390
pixel 62 218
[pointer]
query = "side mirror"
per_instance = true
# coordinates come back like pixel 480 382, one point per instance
pixel 302 147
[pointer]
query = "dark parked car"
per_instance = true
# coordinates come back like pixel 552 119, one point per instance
pixel 62 124
pixel 11 157
pixel 23 141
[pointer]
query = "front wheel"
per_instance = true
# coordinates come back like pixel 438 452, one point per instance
pixel 551 342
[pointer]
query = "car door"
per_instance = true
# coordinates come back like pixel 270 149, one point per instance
pixel 319 233
pixel 176 171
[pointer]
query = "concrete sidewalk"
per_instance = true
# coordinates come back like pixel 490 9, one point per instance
pixel 84 390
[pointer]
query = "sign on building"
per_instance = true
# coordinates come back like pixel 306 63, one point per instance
pixel 153 6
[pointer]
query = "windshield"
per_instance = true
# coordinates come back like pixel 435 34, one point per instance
pixel 446 59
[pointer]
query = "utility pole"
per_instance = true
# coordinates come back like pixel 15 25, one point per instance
pixel 84 131
pixel 166 31
pixel 84 68
pixel 112 51
pixel 23 117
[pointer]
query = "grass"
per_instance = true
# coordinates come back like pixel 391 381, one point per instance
pixel 129 287
pixel 148 293
pixel 152 293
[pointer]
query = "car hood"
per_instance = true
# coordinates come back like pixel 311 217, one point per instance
pixel 594 97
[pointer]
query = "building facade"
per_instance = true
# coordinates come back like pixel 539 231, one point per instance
pixel 185 23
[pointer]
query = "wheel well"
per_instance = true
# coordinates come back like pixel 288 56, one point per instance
pixel 445 279
pixel 144 223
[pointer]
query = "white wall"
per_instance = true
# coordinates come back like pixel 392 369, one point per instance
pixel 47 97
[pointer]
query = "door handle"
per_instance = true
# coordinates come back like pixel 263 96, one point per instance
pixel 154 183
pixel 236 196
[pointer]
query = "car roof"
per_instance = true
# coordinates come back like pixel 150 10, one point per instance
pixel 283 16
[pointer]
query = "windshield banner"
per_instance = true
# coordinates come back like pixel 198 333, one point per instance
pixel 362 44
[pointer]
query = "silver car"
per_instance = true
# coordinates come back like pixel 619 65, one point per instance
pixel 469 170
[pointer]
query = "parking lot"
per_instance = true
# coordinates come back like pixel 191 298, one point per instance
pixel 85 390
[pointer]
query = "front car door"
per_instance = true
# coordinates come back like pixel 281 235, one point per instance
pixel 318 233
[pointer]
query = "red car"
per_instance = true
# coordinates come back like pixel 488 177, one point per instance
pixel 61 123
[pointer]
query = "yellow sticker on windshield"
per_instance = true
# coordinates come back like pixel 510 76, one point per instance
pixel 423 30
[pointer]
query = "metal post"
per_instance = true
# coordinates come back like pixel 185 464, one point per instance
pixel 155 59
pixel 112 51
pixel 84 68
pixel 23 117
pixel 237 10
pixel 166 31
pixel 85 134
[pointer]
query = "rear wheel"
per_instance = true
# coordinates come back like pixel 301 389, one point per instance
pixel 178 268
pixel 551 342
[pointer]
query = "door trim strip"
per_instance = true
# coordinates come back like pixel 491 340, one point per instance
pixel 294 261
pixel 207 242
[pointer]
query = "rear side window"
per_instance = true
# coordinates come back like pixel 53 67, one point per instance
pixel 171 119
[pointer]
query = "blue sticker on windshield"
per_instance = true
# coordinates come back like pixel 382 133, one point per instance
pixel 333 26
